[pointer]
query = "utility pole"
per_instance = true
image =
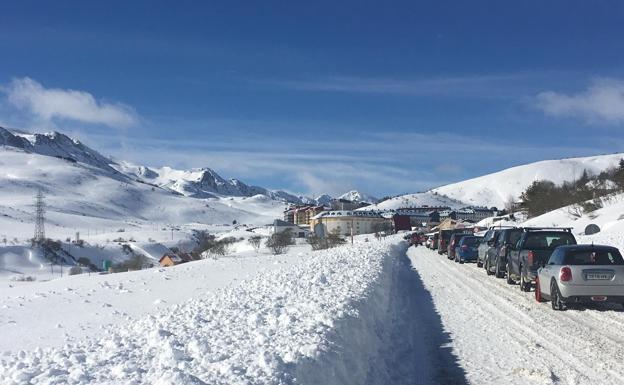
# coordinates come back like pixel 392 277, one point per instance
pixel 39 218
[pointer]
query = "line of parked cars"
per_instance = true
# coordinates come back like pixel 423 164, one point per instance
pixel 547 259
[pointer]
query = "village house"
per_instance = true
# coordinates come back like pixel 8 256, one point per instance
pixel 297 231
pixel 349 222
pixel 171 259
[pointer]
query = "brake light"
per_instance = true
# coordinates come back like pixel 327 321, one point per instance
pixel 531 257
pixel 464 247
pixel 565 274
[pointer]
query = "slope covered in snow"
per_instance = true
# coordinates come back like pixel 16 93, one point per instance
pixel 416 200
pixel 357 196
pixel 495 189
pixel 609 218
pixel 498 188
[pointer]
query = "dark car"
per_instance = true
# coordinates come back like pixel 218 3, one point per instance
pixel 496 258
pixel 581 274
pixel 454 240
pixel 488 243
pixel 466 249
pixel 532 251
pixel 434 241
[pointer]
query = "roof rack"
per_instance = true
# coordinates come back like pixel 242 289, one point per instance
pixel 566 229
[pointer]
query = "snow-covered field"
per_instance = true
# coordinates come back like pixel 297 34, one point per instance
pixel 61 311
pixel 320 320
pixel 503 336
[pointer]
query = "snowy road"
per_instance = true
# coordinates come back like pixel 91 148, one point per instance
pixel 502 336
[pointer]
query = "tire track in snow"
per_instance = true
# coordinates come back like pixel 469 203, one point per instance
pixel 509 320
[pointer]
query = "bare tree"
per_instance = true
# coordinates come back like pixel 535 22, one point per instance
pixel 255 241
pixel 278 242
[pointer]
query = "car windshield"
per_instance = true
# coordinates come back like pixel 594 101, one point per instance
pixel 470 241
pixel 594 257
pixel 542 240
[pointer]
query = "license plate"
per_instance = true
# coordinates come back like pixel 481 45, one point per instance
pixel 599 276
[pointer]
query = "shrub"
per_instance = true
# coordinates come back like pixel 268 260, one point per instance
pixel 255 241
pixel 278 243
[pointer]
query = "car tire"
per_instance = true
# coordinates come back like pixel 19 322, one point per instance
pixel 555 297
pixel 479 263
pixel 510 281
pixel 524 285
pixel 498 273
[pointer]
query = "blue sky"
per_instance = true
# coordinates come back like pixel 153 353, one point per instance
pixel 312 97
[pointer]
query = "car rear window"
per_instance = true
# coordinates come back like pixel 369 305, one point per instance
pixel 548 240
pixel 594 257
pixel 470 241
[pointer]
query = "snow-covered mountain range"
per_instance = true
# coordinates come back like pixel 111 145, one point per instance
pixel 357 196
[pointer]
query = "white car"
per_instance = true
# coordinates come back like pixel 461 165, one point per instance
pixel 581 274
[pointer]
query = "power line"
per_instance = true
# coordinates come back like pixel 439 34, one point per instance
pixel 39 217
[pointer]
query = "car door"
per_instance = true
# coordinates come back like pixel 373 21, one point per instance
pixel 549 270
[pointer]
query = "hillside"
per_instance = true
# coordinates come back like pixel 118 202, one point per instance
pixel 357 196
pixel 497 188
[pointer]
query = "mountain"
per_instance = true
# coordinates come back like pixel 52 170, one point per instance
pixel 323 200
pixel 196 183
pixel 498 188
pixel 356 196
pixel 200 183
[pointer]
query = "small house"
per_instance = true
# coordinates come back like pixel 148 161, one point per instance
pixel 171 259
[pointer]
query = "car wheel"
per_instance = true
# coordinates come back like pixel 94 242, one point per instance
pixel 487 267
pixel 479 263
pixel 555 297
pixel 499 273
pixel 510 281
pixel 538 291
pixel 524 285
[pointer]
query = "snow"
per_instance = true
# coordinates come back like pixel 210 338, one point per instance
pixel 357 196
pixel 497 188
pixel 610 219
pixel 61 311
pixel 282 326
pixel 503 336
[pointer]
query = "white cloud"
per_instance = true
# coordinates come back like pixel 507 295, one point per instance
pixel 47 104
pixel 602 101
pixel 488 86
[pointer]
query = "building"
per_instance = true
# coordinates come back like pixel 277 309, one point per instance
pixel 347 222
pixel 302 214
pixel 470 214
pixel 297 231
pixel 171 259
pixel 346 205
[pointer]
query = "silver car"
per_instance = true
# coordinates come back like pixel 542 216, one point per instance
pixel 581 274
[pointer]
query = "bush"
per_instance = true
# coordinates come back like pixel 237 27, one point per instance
pixel 255 241
pixel 75 270
pixel 278 243
pixel 135 262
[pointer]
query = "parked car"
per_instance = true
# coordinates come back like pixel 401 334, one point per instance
pixel 434 241
pixel 581 274
pixel 532 251
pixel 488 242
pixel 454 240
pixel 496 258
pixel 443 239
pixel 466 249
pixel 428 241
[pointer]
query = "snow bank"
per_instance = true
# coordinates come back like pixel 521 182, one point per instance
pixel 313 322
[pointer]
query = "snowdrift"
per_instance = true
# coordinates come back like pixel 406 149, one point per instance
pixel 314 322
